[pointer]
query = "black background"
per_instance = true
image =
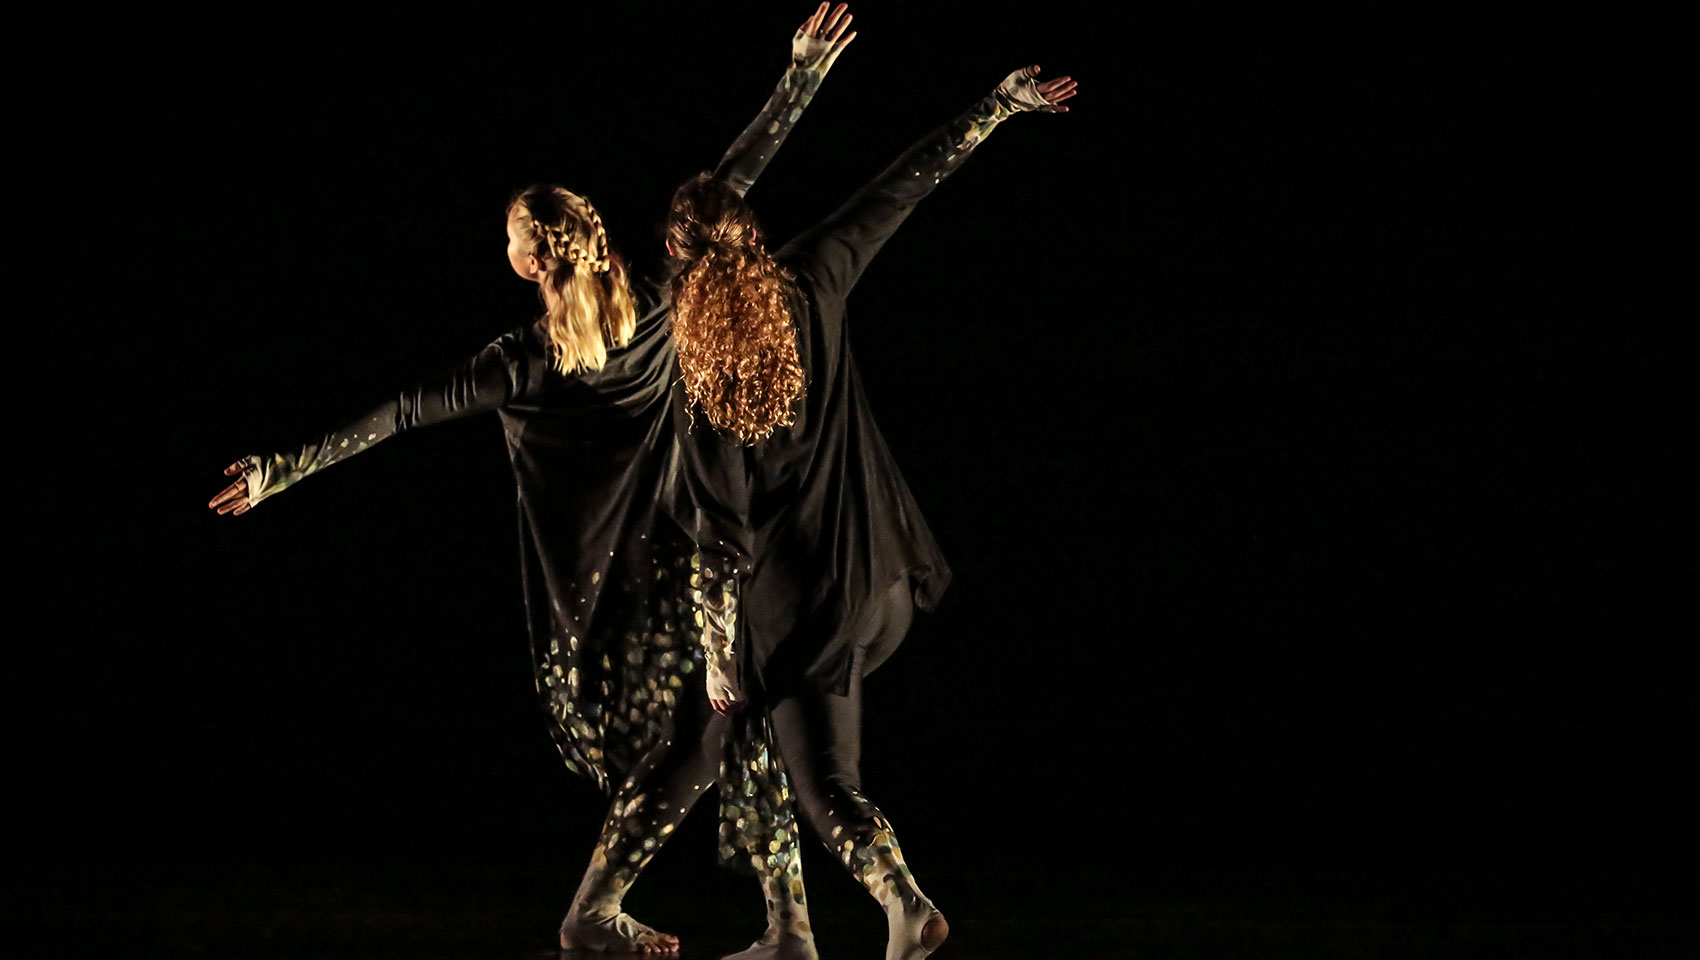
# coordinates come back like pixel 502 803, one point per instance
pixel 1296 413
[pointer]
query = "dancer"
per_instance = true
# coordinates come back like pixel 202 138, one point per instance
pixel 611 595
pixel 790 490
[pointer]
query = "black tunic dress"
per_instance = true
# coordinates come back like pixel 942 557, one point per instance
pixel 611 596
pixel 816 521
pixel 606 583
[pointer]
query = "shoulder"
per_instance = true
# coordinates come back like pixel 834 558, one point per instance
pixel 799 291
pixel 817 280
pixel 803 273
pixel 801 297
pixel 523 357
pixel 521 342
pixel 649 294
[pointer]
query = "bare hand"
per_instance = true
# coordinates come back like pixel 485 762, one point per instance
pixel 723 693
pixel 820 39
pixel 1025 93
pixel 234 498
pixel 1055 91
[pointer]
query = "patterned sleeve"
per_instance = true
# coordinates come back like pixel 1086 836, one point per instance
pixel 835 252
pixel 484 382
pixel 750 154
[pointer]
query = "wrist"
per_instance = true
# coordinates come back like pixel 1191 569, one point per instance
pixel 1002 105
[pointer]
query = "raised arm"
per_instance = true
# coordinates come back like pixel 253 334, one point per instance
pixel 814 49
pixel 483 382
pixel 837 250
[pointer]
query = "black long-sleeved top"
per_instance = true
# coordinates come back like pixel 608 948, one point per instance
pixel 607 583
pixel 817 519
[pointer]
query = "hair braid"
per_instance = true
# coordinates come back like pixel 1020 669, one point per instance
pixel 599 242
pixel 586 314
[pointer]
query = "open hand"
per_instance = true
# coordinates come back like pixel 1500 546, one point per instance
pixel 1022 91
pixel 234 498
pixel 820 39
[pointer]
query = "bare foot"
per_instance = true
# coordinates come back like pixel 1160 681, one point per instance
pixel 783 946
pixel 914 933
pixel 934 933
pixel 618 933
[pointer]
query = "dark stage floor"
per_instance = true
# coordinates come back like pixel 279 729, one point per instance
pixel 423 913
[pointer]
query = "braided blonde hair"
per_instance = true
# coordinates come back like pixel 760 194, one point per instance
pixel 591 311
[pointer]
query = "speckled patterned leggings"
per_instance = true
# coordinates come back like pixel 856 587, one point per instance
pixel 648 806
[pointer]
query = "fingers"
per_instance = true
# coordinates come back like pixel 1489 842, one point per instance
pixel 832 23
pixel 237 489
pixel 809 25
pixel 238 507
pixel 1056 91
pixel 233 469
pixel 1033 70
pixel 837 27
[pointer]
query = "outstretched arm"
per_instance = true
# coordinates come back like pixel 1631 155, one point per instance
pixel 840 248
pixel 484 382
pixel 814 49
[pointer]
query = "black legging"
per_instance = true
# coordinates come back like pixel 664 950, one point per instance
pixel 819 735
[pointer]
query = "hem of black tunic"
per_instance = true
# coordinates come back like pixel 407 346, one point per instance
pixel 928 582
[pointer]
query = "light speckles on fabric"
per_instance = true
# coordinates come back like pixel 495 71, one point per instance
pixel 609 716
pixel 810 60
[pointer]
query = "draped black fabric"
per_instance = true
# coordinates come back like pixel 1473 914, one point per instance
pixel 612 587
pixel 608 582
pixel 607 593
pixel 817 518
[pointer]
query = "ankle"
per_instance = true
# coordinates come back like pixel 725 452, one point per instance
pixel 592 911
pixel 790 923
pixel 908 905
pixel 775 933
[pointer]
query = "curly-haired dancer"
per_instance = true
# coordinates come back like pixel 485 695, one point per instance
pixel 612 597
pixel 791 492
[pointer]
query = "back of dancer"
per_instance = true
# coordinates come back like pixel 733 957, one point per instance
pixel 611 601
pixel 788 486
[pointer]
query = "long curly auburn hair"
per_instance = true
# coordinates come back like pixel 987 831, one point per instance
pixel 731 326
pixel 591 308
